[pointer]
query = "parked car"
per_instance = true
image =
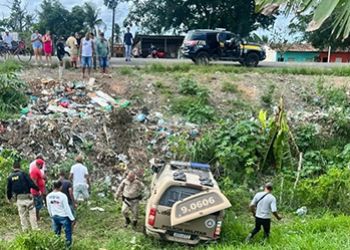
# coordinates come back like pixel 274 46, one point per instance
pixel 202 46
pixel 186 204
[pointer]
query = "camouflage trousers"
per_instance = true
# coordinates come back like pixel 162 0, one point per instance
pixel 26 210
pixel 131 207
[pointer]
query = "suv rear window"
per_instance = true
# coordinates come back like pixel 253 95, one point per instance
pixel 196 36
pixel 175 193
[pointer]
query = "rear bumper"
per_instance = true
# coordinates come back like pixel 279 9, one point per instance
pixel 162 234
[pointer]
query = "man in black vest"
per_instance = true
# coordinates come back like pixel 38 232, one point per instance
pixel 18 186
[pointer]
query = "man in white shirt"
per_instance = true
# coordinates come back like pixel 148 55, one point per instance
pixel 262 205
pixel 80 177
pixel 8 39
pixel 87 50
pixel 60 212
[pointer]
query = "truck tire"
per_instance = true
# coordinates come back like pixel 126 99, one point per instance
pixel 202 58
pixel 251 60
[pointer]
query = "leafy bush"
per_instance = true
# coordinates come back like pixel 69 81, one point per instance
pixel 340 121
pixel 37 241
pixel 10 66
pixel 190 87
pixel 12 93
pixel 194 109
pixel 236 146
pixel 305 136
pixel 330 191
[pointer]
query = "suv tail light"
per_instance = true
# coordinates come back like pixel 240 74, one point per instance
pixel 191 43
pixel 218 229
pixel 152 216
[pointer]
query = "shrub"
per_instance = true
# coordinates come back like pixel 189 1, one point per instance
pixel 330 191
pixel 194 109
pixel 267 97
pixel 305 136
pixel 190 87
pixel 10 66
pixel 37 241
pixel 12 93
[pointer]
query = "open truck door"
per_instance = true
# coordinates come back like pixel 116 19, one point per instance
pixel 198 205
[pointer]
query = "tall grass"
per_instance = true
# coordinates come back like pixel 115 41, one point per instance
pixel 10 66
pixel 186 68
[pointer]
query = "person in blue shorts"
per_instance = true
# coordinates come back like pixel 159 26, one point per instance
pixel 87 50
pixel 103 52
pixel 37 44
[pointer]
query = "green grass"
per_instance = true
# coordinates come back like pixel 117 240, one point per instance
pixel 229 87
pixel 10 66
pixel 188 68
pixel 103 230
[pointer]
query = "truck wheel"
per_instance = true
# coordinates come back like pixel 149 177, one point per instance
pixel 251 60
pixel 202 58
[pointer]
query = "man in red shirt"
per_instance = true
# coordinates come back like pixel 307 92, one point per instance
pixel 38 178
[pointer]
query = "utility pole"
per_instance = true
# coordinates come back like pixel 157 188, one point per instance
pixel 112 4
pixel 113 22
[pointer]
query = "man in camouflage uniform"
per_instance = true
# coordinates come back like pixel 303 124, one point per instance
pixel 131 192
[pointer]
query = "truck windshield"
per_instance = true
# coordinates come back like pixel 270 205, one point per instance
pixel 175 193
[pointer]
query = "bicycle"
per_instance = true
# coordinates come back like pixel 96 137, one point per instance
pixel 18 49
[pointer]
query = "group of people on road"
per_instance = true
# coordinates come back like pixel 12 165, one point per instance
pixel 30 193
pixel 89 49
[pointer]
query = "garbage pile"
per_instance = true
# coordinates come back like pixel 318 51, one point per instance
pixel 64 119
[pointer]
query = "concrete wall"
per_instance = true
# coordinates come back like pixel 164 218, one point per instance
pixel 271 55
pixel 340 57
pixel 291 56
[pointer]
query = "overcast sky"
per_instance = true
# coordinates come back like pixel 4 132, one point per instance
pixel 106 14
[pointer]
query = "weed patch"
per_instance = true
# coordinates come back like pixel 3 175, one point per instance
pixel 229 87
pixel 10 66
pixel 267 97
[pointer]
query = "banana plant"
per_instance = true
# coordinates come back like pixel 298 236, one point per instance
pixel 322 10
pixel 280 139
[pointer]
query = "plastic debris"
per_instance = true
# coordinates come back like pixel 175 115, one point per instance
pixel 99 209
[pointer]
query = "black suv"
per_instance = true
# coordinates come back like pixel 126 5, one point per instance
pixel 201 46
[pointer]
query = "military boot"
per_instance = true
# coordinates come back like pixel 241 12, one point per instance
pixel 127 221
pixel 134 224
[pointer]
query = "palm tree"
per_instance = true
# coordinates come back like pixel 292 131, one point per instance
pixel 322 9
pixel 92 20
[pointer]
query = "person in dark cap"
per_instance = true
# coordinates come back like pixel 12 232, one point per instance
pixel 262 206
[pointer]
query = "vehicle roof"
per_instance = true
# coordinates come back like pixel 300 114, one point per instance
pixel 193 176
pixel 209 30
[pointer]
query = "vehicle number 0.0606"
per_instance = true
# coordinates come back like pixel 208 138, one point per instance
pixel 198 205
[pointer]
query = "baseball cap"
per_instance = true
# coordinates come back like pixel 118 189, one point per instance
pixel 39 162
